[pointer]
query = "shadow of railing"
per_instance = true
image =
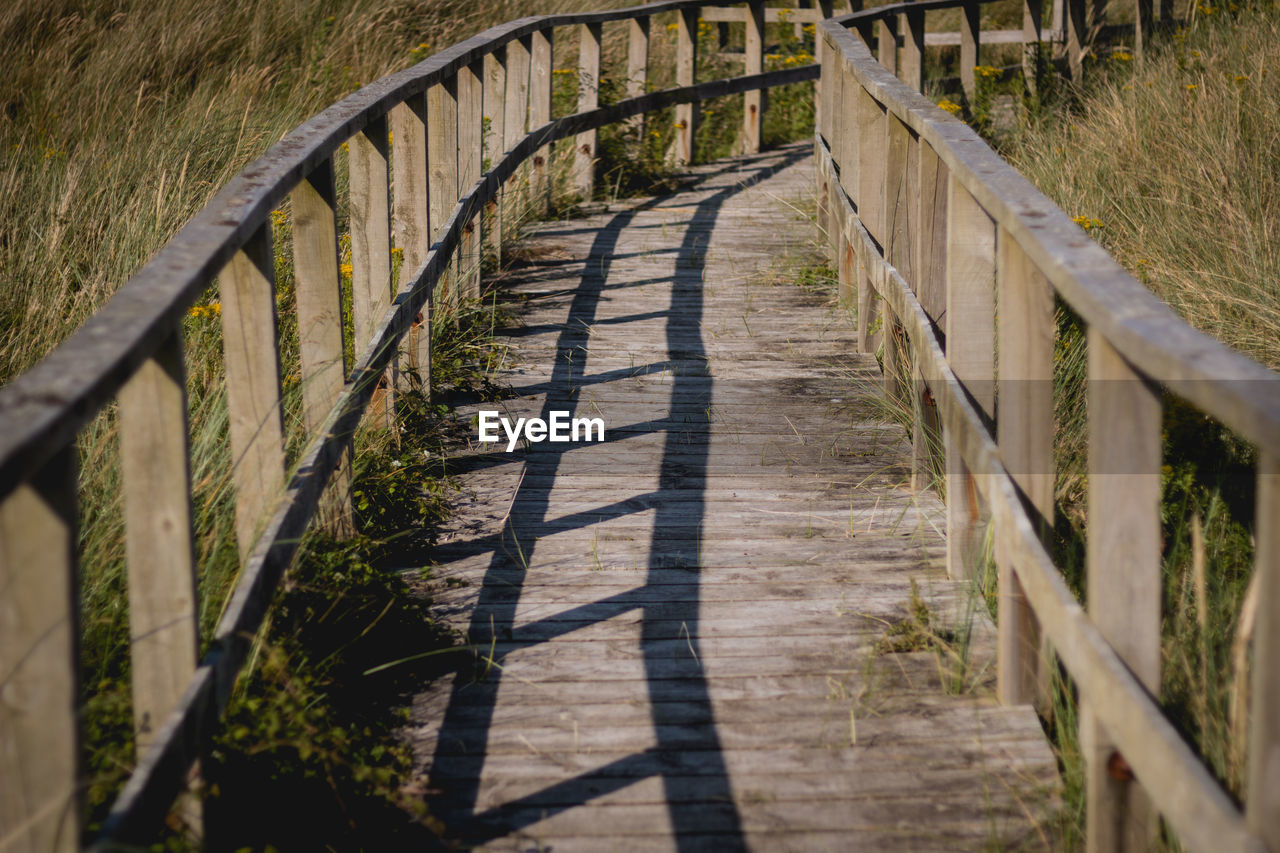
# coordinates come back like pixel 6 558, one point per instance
pixel 667 611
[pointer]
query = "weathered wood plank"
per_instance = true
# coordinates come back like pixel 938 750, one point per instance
pixel 39 725
pixel 637 66
pixel 754 103
pixel 1262 807
pixel 495 143
pixel 470 159
pixel 370 217
pixel 442 183
pixel 411 226
pixel 686 75
pixel 584 157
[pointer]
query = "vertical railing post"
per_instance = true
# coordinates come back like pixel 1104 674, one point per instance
pixel 156 473
pixel 252 360
pixel 495 92
pixel 1123 584
pixel 539 113
pixel 637 67
pixel 826 118
pixel 1031 35
pixel 911 71
pixel 516 121
pixel 318 291
pixel 39 662
pixel 1077 36
pixel 970 346
pixel 887 43
pixel 1025 334
pixel 970 46
pixel 900 200
pixel 753 55
pixel 1262 794
pixel 369 164
pixel 584 155
pixel 686 75
pixel 1141 25
pixel 410 222
pixel 872 118
pixel 442 168
pixel 470 156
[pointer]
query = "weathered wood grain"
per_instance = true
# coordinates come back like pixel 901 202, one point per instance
pixel 370 218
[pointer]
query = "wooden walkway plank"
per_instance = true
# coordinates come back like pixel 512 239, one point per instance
pixel 679 634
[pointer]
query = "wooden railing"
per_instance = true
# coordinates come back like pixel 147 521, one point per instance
pixel 425 200
pixel 932 231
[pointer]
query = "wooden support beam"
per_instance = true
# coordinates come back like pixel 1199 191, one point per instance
pixel 686 75
pixel 369 165
pixel 442 168
pixel 1142 25
pixel 872 135
pixel 1123 580
pixel 970 345
pixel 470 157
pixel 584 152
pixel 887 44
pixel 931 239
pixel 754 104
pixel 1077 37
pixel 516 123
pixel 495 112
pixel 155 468
pixel 1262 794
pixel 411 226
pixel 318 295
pixel 970 46
pixel 539 113
pixel 252 360
pixel 637 67
pixel 40 800
pixel 911 70
pixel 1025 334
pixel 1032 32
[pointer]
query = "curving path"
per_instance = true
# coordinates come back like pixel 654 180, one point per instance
pixel 682 632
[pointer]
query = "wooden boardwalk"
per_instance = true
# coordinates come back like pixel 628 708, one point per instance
pixel 681 631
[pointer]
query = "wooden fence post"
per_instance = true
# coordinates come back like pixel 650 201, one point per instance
pixel 495 91
pixel 369 163
pixel 1077 35
pixel 516 121
pixel 442 168
pixel 252 360
pixel 318 292
pixel 1262 797
pixel 410 223
pixel 1142 25
pixel 901 201
pixel 929 284
pixel 686 75
pixel 887 43
pixel 155 467
pixel 470 154
pixel 844 144
pixel 539 113
pixel 40 801
pixel 1025 332
pixel 826 109
pixel 584 158
pixel 637 67
pixel 1123 583
pixel 1031 35
pixel 970 45
pixel 970 343
pixel 872 135
pixel 911 25
pixel 753 101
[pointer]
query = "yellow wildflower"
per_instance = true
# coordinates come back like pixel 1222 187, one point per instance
pixel 1088 223
pixel 346 270
pixel 1191 87
pixel 986 71
pixel 950 106
pixel 1121 56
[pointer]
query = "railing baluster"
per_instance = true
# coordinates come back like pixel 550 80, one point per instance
pixel 754 103
pixel 39 640
pixel 584 158
pixel 1032 13
pixel 1025 333
pixel 826 110
pixel 970 346
pixel 887 43
pixel 970 35
pixel 1077 37
pixel 318 290
pixel 495 90
pixel 1123 584
pixel 845 141
pixel 470 155
pixel 156 473
pixel 900 200
pixel 637 67
pixel 442 168
pixel 539 111
pixel 369 167
pixel 1262 797
pixel 871 136
pixel 410 223
pixel 686 75
pixel 253 383
pixel 516 107
pixel 911 26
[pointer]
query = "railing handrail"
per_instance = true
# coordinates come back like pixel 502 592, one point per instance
pixel 1017 233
